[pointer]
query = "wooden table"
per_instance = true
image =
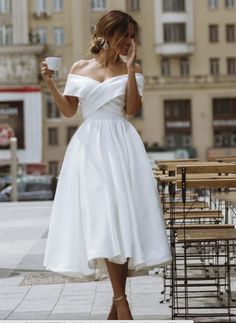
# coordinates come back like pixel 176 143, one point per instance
pixel 196 214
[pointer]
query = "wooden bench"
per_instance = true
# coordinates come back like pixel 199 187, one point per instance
pixel 204 235
pixel 179 227
pixel 188 205
pixel 197 214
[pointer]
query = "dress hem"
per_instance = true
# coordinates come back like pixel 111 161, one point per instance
pixel 139 266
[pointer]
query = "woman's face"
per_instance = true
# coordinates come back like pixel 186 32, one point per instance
pixel 123 47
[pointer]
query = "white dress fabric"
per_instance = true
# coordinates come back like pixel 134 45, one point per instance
pixel 106 203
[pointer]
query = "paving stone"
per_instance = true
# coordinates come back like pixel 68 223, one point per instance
pixel 145 300
pixel 9 304
pixel 69 316
pixel 73 302
pixel 14 289
pixel 104 287
pixel 81 286
pixel 102 298
pixel 41 315
pixel 12 281
pixel 146 288
pixel 76 292
pixel 77 298
pixel 98 316
pixel 152 317
pixel 7 295
pixel 101 310
pixel 4 314
pixel 31 261
pixel 149 310
pixel 44 291
pixel 40 305
pixel 72 308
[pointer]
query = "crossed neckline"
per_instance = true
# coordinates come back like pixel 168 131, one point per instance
pixel 108 79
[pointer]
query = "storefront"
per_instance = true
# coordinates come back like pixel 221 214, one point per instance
pixel 21 116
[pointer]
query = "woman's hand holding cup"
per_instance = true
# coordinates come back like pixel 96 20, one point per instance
pixel 50 65
pixel 46 72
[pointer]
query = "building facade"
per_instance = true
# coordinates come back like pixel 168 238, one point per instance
pixel 186 49
pixel 189 62
pixel 20 93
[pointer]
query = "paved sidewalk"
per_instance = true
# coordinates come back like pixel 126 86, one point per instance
pixel 28 292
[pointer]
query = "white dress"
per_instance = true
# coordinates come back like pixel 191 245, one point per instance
pixel 106 203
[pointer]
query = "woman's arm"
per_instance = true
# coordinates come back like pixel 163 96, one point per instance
pixel 133 101
pixel 66 104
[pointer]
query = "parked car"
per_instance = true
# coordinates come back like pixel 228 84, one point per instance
pixel 5 181
pixel 31 188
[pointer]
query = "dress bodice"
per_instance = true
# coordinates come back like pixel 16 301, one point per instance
pixel 100 99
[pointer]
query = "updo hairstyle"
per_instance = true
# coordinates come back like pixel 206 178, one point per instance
pixel 114 22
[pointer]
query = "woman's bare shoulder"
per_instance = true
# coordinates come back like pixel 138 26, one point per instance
pixel 79 65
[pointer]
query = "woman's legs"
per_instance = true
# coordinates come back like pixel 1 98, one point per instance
pixel 118 276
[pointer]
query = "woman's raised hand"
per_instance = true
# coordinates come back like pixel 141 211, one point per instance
pixel 46 73
pixel 131 57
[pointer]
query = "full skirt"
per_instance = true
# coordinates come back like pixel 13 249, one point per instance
pixel 106 203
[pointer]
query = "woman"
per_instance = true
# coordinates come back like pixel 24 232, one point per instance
pixel 106 213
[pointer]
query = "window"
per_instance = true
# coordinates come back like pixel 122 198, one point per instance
pixel 178 123
pixel 98 5
pixel 34 37
pixel 53 168
pixel 5 6
pixel 40 6
pixel 224 122
pixel 214 66
pixel 6 35
pixel 173 5
pixel 165 67
pixel 42 35
pixel 230 33
pixel 177 109
pixel 184 66
pixel 53 136
pixel 231 65
pixel 213 4
pixel 179 140
pixel 70 133
pixel 213 33
pixel 134 5
pixel 52 110
pixel 225 139
pixel 58 5
pixel 58 36
pixel 224 108
pixel 174 33
pixel 229 4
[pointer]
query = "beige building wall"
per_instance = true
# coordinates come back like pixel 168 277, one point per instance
pixel 200 87
pixel 74 19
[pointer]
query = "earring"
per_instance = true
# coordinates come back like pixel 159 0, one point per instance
pixel 105 45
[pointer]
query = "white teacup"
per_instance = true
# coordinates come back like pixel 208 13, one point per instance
pixel 53 63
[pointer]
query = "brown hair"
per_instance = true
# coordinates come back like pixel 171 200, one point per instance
pixel 113 22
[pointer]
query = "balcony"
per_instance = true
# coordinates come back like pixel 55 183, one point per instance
pixel 174 28
pixel 174 49
pixel 191 80
pixel 20 64
pixel 41 14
